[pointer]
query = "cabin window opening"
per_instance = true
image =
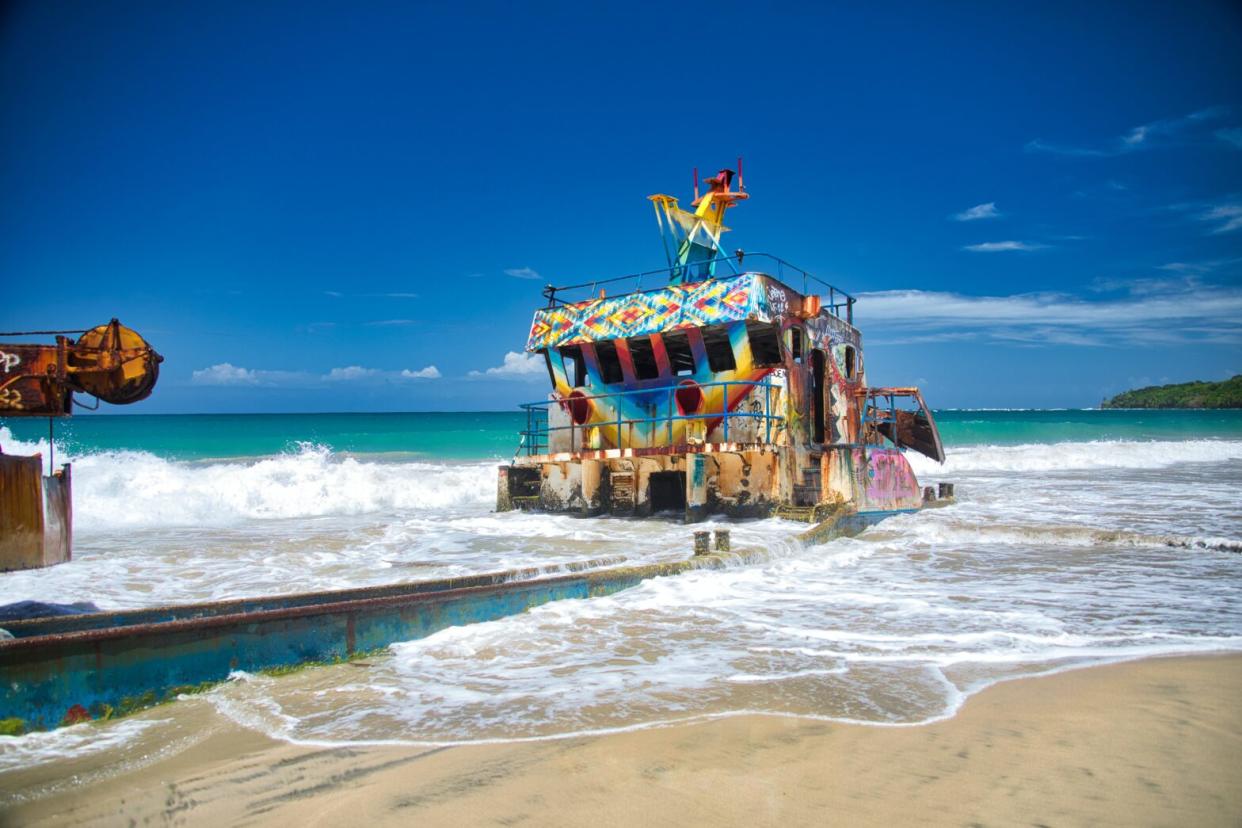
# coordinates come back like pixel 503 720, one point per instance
pixel 680 357
pixel 547 362
pixel 765 343
pixel 609 362
pixel 851 367
pixel 643 356
pixel 795 345
pixel 817 396
pixel 719 349
pixel 667 491
pixel 575 366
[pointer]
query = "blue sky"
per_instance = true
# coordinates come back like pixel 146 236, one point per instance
pixel 333 207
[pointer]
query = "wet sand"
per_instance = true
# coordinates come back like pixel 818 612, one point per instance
pixel 1156 742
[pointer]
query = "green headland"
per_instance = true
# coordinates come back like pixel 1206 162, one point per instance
pixel 1224 394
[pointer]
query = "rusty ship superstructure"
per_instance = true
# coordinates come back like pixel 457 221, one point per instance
pixel 735 384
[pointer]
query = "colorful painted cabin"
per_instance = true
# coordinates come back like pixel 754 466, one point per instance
pixel 724 390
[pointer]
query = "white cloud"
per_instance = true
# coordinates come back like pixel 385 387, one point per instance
pixel 228 374
pixel 1136 136
pixel 1001 246
pixel 979 211
pixel 1057 149
pixel 1227 216
pixel 1186 280
pixel 523 273
pixel 1225 213
pixel 516 366
pixel 350 373
pixel 225 373
pixel 1181 312
pixel 1143 136
pixel 925 338
pixel 389 323
pixel 1200 268
pixel 357 373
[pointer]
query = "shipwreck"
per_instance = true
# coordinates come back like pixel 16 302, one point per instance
pixel 730 384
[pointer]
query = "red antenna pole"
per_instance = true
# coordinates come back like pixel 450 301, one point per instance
pixel 740 186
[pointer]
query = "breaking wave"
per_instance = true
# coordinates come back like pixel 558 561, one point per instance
pixel 137 489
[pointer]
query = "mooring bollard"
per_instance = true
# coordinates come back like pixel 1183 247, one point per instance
pixel 929 494
pixel 946 491
pixel 702 543
pixel 722 540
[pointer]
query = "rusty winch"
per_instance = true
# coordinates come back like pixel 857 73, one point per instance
pixel 110 362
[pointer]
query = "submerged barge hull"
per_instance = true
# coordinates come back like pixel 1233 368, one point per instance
pixel 68 669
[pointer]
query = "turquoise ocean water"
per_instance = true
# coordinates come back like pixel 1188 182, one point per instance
pixel 493 435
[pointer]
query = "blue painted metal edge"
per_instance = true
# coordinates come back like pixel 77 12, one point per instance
pixel 47 680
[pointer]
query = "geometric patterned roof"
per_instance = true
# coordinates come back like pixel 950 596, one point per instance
pixel 750 295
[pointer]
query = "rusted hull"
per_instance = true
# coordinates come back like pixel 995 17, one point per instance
pixel 67 669
pixel 696 481
pixel 36 514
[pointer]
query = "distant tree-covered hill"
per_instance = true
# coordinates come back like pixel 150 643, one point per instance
pixel 1226 394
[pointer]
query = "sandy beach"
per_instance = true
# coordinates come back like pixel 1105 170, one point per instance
pixel 1155 742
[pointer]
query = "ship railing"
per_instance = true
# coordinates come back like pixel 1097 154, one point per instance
pixel 536 438
pixel 880 408
pixel 839 303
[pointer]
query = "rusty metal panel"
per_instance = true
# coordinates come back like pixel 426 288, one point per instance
pixel 57 517
pixel 886 480
pixel 32 380
pixel 624 491
pixel 21 512
pixel 906 429
pixel 504 500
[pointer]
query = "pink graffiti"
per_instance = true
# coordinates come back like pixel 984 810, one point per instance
pixel 889 476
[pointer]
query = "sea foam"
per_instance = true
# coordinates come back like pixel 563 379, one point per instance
pixel 128 489
pixel 133 488
pixel 1091 454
